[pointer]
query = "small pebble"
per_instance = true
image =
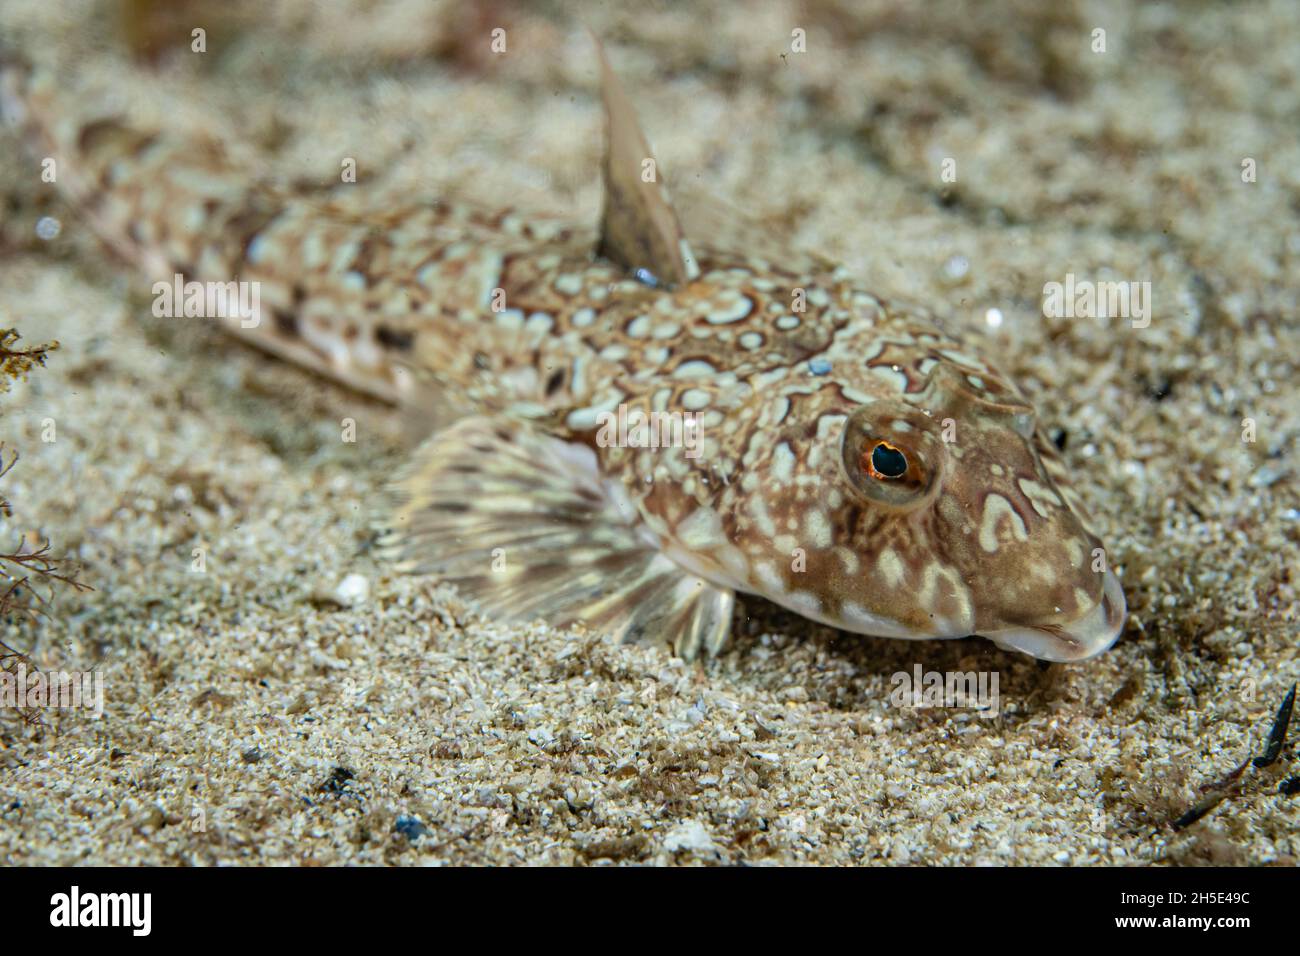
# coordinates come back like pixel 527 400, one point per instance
pixel 689 835
pixel 48 228
pixel 353 589
pixel 1267 476
pixel 956 269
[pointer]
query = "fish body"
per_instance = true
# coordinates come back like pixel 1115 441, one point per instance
pixel 630 430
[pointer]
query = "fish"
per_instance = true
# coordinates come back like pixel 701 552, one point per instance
pixel 626 429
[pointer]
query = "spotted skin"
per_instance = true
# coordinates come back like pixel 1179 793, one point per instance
pixel 795 376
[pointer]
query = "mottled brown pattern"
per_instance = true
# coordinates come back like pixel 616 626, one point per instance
pixel 510 315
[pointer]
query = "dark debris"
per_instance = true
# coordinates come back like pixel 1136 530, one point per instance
pixel 1220 790
pixel 1277 736
pixel 337 782
pixel 411 828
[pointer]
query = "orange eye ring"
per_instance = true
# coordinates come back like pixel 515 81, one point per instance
pixel 892 456
pixel 884 461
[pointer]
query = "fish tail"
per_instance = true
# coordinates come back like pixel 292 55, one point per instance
pixel 181 212
pixel 150 197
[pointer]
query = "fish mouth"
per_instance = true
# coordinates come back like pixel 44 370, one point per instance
pixel 1085 637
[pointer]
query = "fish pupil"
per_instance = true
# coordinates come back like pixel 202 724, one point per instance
pixel 887 461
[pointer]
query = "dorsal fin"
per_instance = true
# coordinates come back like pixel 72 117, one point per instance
pixel 639 229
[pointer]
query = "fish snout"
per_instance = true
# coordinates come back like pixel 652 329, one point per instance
pixel 1087 635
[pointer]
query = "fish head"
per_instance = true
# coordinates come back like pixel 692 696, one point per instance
pixel 939 509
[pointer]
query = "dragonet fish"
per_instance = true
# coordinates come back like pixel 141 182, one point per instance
pixel 628 429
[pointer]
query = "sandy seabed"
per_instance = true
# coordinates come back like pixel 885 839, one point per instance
pixel 250 718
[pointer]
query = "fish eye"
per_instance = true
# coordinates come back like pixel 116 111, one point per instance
pixel 892 455
pixel 885 461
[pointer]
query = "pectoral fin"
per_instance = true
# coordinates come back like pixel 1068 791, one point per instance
pixel 524 523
